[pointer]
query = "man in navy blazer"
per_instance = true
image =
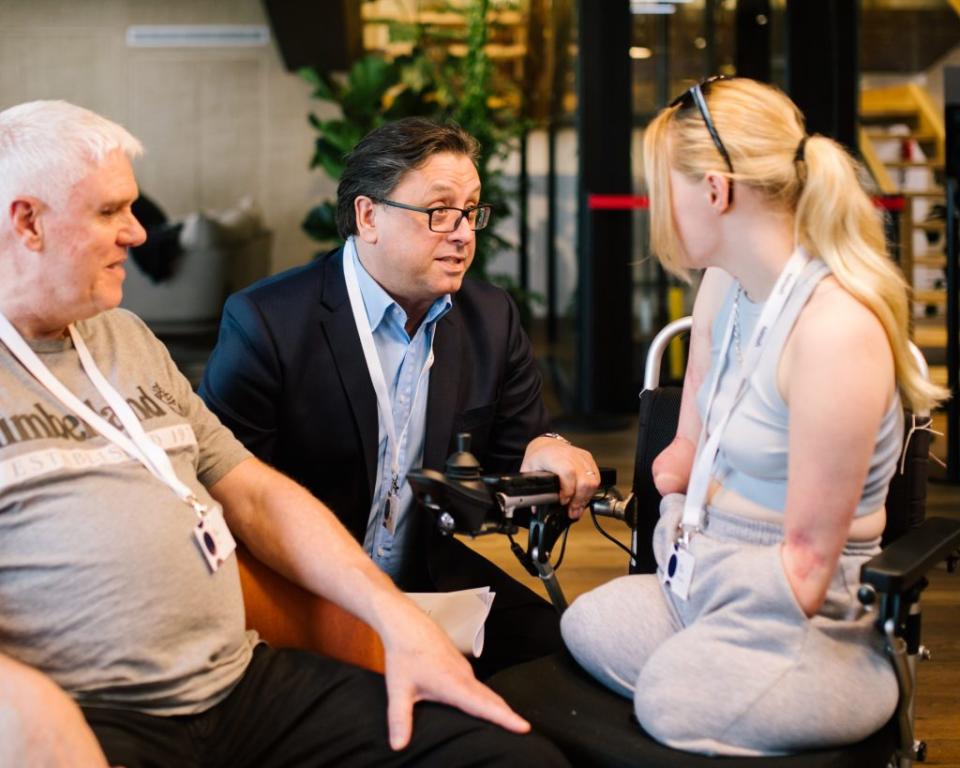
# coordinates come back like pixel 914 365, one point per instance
pixel 295 372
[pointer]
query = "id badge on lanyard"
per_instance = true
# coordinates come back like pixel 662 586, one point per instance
pixel 211 532
pixel 680 567
pixel 214 538
pixel 392 511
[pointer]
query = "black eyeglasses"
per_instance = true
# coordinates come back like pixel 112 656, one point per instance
pixel 695 95
pixel 447 219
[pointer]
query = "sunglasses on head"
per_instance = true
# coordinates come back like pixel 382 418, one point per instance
pixel 695 96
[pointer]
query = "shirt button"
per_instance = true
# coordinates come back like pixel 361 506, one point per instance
pixel 379 551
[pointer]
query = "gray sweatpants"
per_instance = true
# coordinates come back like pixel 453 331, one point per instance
pixel 737 668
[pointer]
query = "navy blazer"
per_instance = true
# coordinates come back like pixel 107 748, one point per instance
pixel 289 378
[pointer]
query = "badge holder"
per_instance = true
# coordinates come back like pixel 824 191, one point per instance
pixel 213 536
pixel 679 572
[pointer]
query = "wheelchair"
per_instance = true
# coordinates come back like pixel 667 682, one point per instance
pixel 595 727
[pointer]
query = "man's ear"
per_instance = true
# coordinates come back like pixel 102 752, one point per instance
pixel 365 212
pixel 26 222
pixel 719 190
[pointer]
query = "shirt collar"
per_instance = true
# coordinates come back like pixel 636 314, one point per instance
pixel 377 302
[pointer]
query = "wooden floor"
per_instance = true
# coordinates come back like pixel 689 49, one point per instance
pixel 591 560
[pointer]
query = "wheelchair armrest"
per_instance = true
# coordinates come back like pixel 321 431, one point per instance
pixel 904 562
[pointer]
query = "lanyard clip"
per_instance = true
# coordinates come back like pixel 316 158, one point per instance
pixel 686 533
pixel 199 507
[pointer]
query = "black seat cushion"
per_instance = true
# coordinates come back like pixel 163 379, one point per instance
pixel 596 728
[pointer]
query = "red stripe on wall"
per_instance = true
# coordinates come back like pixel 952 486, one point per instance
pixel 895 203
pixel 641 202
pixel 617 202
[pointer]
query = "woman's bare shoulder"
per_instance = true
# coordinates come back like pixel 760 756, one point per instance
pixel 839 337
pixel 836 318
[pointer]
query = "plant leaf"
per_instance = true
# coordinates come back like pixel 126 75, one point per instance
pixel 368 81
pixel 321 222
pixel 328 156
pixel 325 88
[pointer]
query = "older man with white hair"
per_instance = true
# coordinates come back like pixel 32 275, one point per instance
pixel 120 497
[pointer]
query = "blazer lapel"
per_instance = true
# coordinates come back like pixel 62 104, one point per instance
pixel 344 342
pixel 444 389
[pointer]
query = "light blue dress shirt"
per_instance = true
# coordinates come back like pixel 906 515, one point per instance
pixel 402 359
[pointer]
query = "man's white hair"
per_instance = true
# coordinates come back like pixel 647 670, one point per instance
pixel 48 146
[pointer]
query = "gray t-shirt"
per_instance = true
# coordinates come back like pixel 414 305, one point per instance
pixel 102 585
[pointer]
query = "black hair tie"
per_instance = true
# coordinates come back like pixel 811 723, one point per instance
pixel 799 158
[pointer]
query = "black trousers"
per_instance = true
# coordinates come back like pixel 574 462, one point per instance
pixel 522 626
pixel 294 708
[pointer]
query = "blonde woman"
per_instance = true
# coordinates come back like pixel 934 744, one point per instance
pixel 750 639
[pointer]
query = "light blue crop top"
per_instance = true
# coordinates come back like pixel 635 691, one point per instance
pixel 752 459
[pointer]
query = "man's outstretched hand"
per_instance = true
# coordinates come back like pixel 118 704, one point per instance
pixel 423 665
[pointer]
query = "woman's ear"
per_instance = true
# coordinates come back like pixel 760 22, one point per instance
pixel 25 220
pixel 365 212
pixel 719 190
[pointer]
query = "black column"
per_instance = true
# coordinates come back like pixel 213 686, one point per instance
pixel 328 36
pixel 605 248
pixel 823 57
pixel 753 39
pixel 951 81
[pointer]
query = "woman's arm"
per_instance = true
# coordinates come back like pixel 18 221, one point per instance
pixel 671 469
pixel 837 377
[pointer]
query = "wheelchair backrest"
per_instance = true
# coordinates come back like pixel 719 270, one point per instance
pixel 656 428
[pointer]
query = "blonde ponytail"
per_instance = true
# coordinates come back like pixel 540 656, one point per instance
pixel 837 221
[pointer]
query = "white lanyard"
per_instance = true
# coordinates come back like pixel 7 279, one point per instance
pixel 138 445
pixel 377 378
pixel 707 448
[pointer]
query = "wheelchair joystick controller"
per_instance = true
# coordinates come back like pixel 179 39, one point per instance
pixel 462 467
pixel 463 500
